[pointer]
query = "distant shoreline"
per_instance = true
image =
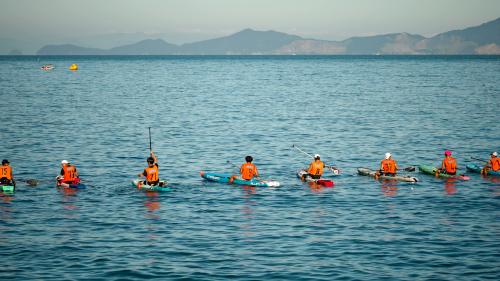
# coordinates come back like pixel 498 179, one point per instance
pixel 252 56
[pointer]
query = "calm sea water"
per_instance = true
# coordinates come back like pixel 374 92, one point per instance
pixel 205 111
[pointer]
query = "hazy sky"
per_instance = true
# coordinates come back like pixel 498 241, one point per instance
pixel 180 21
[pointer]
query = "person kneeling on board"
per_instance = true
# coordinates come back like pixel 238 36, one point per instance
pixel 6 177
pixel 493 164
pixel 449 164
pixel 315 170
pixel 151 171
pixel 388 166
pixel 247 170
pixel 69 173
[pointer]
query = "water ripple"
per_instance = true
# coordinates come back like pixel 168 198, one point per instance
pixel 205 111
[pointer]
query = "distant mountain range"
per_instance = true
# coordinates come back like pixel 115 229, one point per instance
pixel 482 39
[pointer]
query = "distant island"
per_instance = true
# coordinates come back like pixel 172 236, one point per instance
pixel 478 40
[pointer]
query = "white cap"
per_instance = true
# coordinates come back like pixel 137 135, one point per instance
pixel 494 153
pixel 387 155
pixel 316 156
pixel 64 162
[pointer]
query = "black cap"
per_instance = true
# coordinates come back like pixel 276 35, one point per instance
pixel 249 158
pixel 5 161
pixel 150 160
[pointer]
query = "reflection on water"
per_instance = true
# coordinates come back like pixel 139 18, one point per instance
pixel 450 186
pixel 6 206
pixel 152 202
pixel 248 189
pixel 389 187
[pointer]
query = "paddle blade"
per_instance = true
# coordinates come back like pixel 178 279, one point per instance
pixel 410 169
pixel 32 182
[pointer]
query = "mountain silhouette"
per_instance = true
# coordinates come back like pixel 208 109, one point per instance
pixel 482 39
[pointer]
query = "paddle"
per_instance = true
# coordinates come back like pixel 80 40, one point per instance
pixel 149 128
pixel 409 169
pixel 35 182
pixel 150 150
pixel 330 168
pixel 296 147
pixel 232 164
pixel 484 171
pixel 479 159
pixel 30 182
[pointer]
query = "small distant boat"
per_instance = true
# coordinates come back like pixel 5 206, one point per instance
pixel 73 67
pixel 47 67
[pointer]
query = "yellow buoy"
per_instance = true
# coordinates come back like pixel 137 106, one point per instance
pixel 73 67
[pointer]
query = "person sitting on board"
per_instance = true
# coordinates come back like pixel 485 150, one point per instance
pixel 6 177
pixel 449 164
pixel 151 171
pixel 69 173
pixel 388 166
pixel 247 170
pixel 493 164
pixel 315 170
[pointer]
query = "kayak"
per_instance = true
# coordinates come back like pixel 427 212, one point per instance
pixel 61 184
pixel 430 170
pixel 7 188
pixel 226 178
pixel 47 67
pixel 322 181
pixel 371 173
pixel 475 168
pixel 162 186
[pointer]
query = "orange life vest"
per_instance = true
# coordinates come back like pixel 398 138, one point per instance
pixel 389 166
pixel 69 173
pixel 495 163
pixel 151 173
pixel 316 168
pixel 248 171
pixel 449 165
pixel 5 172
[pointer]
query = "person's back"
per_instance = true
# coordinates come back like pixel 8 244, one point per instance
pixel 316 167
pixel 449 164
pixel 388 166
pixel 248 170
pixel 6 176
pixel 69 173
pixel 151 172
pixel 494 162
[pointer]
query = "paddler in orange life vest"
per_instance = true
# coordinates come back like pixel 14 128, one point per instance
pixel 388 166
pixel 248 170
pixel 6 176
pixel 493 164
pixel 449 164
pixel 315 170
pixel 69 173
pixel 151 171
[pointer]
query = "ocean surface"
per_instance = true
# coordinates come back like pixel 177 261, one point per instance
pixel 206 111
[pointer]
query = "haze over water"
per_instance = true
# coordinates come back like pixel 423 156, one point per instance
pixel 205 111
